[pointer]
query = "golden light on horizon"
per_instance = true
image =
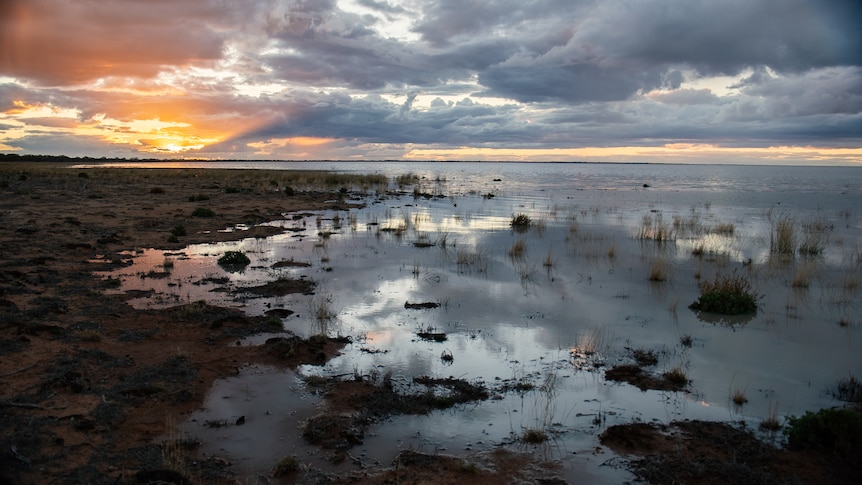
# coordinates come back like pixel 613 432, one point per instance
pixel 149 135
pixel 671 152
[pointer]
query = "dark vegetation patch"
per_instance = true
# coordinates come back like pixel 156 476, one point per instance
pixel 432 336
pixel 279 312
pixel 835 432
pixel 420 306
pixel 849 389
pixel 234 258
pixel 727 295
pixel 644 357
pixel 357 403
pixel 709 452
pixel 280 287
pixel 289 263
pixel 203 212
pixel 643 380
pixel 170 379
pixel 9 346
pixel 293 350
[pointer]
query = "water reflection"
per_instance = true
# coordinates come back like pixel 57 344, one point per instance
pixel 576 298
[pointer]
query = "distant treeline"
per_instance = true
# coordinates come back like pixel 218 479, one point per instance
pixel 14 157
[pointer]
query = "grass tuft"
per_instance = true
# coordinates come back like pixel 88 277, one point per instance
pixel 727 295
pixel 659 270
pixel 685 340
pixel 234 258
pixel 783 236
pixel 677 376
pixel 804 274
pixel 738 397
pixel 521 222
pixel 518 249
pixel 287 465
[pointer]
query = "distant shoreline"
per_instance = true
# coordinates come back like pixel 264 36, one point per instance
pixel 91 162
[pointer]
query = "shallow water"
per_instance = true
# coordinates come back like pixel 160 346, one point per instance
pixel 576 301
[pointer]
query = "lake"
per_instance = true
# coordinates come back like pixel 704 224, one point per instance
pixel 605 271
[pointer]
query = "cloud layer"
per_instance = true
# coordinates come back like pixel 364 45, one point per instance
pixel 344 79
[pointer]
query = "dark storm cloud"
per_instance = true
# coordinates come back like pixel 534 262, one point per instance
pixel 573 83
pixel 728 36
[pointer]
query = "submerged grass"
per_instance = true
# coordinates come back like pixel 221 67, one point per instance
pixel 803 276
pixel 518 249
pixel 655 229
pixel 659 270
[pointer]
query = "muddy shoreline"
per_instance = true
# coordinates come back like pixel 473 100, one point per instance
pixel 90 383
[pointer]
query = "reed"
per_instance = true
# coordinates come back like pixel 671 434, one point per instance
pixel 783 236
pixel 738 397
pixel 803 275
pixel 518 249
pixel 659 270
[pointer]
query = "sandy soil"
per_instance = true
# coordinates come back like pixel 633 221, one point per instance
pixel 91 384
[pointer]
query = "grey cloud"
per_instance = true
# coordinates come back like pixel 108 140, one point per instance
pixel 835 90
pixel 728 36
pixel 687 96
pixel 574 83
pixel 384 7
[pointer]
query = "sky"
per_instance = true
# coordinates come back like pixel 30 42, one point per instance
pixel 719 81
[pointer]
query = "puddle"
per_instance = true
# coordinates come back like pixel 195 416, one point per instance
pixel 439 287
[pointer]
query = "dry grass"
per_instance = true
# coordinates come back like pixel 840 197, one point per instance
pixel 738 397
pixel 724 229
pixel 653 228
pixel 803 276
pixel 324 315
pixel 518 249
pixel 770 422
pixel 660 270
pixel 676 376
pixel 783 236
pixel 549 260
pixel 815 236
pixel 590 343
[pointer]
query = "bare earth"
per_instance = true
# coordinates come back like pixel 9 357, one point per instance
pixel 90 384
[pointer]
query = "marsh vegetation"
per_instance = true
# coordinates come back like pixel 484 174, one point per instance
pixel 580 284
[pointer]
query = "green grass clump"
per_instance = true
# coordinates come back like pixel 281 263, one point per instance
pixel 234 258
pixel 286 465
pixel 727 295
pixel 834 431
